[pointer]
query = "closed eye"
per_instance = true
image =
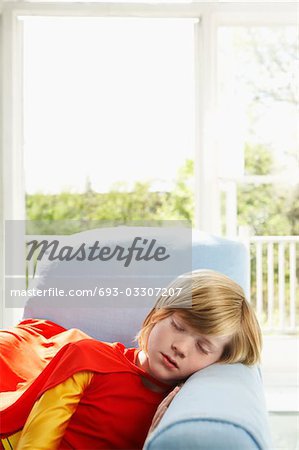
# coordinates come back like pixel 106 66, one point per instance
pixel 202 349
pixel 176 326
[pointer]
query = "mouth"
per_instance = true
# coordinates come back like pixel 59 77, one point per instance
pixel 169 362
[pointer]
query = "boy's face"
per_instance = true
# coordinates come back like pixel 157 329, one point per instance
pixel 175 351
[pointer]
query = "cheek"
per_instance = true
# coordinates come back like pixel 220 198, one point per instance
pixel 155 337
pixel 201 361
pixel 159 331
pixel 150 342
pixel 212 359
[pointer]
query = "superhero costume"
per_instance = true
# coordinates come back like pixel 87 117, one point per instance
pixel 114 408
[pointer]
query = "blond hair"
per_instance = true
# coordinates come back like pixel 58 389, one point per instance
pixel 212 304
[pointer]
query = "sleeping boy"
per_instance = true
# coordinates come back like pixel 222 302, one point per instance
pixel 86 394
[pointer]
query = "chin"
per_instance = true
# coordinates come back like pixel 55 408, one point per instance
pixel 164 378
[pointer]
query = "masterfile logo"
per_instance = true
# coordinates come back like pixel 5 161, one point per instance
pixel 127 265
pixel 145 250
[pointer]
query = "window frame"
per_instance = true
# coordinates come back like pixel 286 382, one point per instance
pixel 211 15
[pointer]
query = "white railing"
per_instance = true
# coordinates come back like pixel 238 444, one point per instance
pixel 274 284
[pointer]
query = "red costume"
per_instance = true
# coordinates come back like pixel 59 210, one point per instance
pixel 115 408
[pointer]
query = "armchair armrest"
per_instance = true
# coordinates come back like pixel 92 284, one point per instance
pixel 221 407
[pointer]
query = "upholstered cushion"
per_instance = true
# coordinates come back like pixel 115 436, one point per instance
pixel 221 407
pixel 119 319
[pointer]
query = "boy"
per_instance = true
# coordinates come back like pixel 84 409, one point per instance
pixel 96 395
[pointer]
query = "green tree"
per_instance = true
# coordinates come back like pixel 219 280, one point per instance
pixel 263 207
pixel 120 205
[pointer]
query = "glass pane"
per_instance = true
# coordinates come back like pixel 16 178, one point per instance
pixel 258 101
pixel 106 101
pixel 258 83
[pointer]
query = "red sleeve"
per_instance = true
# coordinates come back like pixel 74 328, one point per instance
pixel 83 354
pixel 18 345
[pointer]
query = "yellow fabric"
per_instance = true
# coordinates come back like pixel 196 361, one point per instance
pixel 49 417
pixel 11 442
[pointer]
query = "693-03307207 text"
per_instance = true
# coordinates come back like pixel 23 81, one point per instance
pixel 98 291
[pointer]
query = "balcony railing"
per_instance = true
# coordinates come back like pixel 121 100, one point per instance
pixel 274 282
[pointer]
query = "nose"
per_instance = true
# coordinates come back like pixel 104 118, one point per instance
pixel 182 346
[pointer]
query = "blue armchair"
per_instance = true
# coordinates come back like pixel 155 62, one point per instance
pixel 220 407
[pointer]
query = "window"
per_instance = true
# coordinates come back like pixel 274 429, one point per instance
pixel 107 101
pixel 42 105
pixel 258 100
